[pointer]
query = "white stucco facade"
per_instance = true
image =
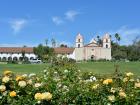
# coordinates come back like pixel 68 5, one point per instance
pixel 93 50
pixel 16 56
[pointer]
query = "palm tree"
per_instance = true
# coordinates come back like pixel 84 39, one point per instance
pixel 99 40
pixel 118 38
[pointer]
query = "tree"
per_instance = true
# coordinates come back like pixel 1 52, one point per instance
pixel 46 42
pixel 43 52
pixel 53 43
pixel 63 45
pixel 23 55
pixel 118 38
pixel 99 41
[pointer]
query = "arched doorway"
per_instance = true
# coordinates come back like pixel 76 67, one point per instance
pixel 15 59
pixel 20 58
pixel 26 58
pixel 9 58
pixel 4 59
pixel 92 57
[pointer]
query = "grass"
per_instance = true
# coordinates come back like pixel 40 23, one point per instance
pixel 108 67
pixel 96 67
pixel 23 68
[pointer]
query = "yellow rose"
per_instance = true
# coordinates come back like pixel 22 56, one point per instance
pixel 125 79
pixel 38 96
pixel 107 81
pixel 7 72
pixel 13 94
pixel 2 88
pixel 122 94
pixel 46 96
pixel 5 79
pixel 129 74
pixel 111 98
pixel 110 80
pixel 137 85
pixel 19 78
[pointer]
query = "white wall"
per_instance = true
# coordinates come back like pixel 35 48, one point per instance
pixel 17 55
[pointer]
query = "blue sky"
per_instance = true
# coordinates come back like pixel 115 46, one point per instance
pixel 30 22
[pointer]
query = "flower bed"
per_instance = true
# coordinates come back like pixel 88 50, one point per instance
pixel 66 85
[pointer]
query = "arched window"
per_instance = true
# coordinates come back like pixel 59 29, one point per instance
pixel 106 46
pixel 78 40
pixel 78 45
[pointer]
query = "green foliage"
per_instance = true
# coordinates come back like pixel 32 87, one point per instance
pixel 44 52
pixel 64 84
pixel 131 52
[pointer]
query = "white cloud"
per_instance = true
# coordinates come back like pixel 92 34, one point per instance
pixel 18 24
pixel 57 20
pixel 127 34
pixel 70 15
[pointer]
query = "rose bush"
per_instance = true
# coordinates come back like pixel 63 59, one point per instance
pixel 63 84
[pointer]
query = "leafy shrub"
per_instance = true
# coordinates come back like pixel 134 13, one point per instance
pixel 12 62
pixel 63 84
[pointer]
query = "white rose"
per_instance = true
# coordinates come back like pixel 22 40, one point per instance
pixel 129 74
pixel 30 82
pixel 66 71
pixel 37 85
pixel 5 79
pixel 2 88
pixel 32 75
pixel 111 98
pixel 24 75
pixel 45 71
pixel 22 84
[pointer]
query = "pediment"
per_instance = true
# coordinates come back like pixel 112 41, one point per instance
pixel 91 45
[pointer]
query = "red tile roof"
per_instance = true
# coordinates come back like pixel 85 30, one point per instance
pixel 63 50
pixel 16 49
pixel 59 50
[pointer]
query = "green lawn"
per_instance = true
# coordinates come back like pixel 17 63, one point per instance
pixel 23 68
pixel 96 67
pixel 108 67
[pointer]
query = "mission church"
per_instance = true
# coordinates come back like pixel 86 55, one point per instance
pixel 81 51
pixel 92 50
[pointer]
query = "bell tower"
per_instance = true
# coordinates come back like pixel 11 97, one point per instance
pixel 79 41
pixel 106 41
